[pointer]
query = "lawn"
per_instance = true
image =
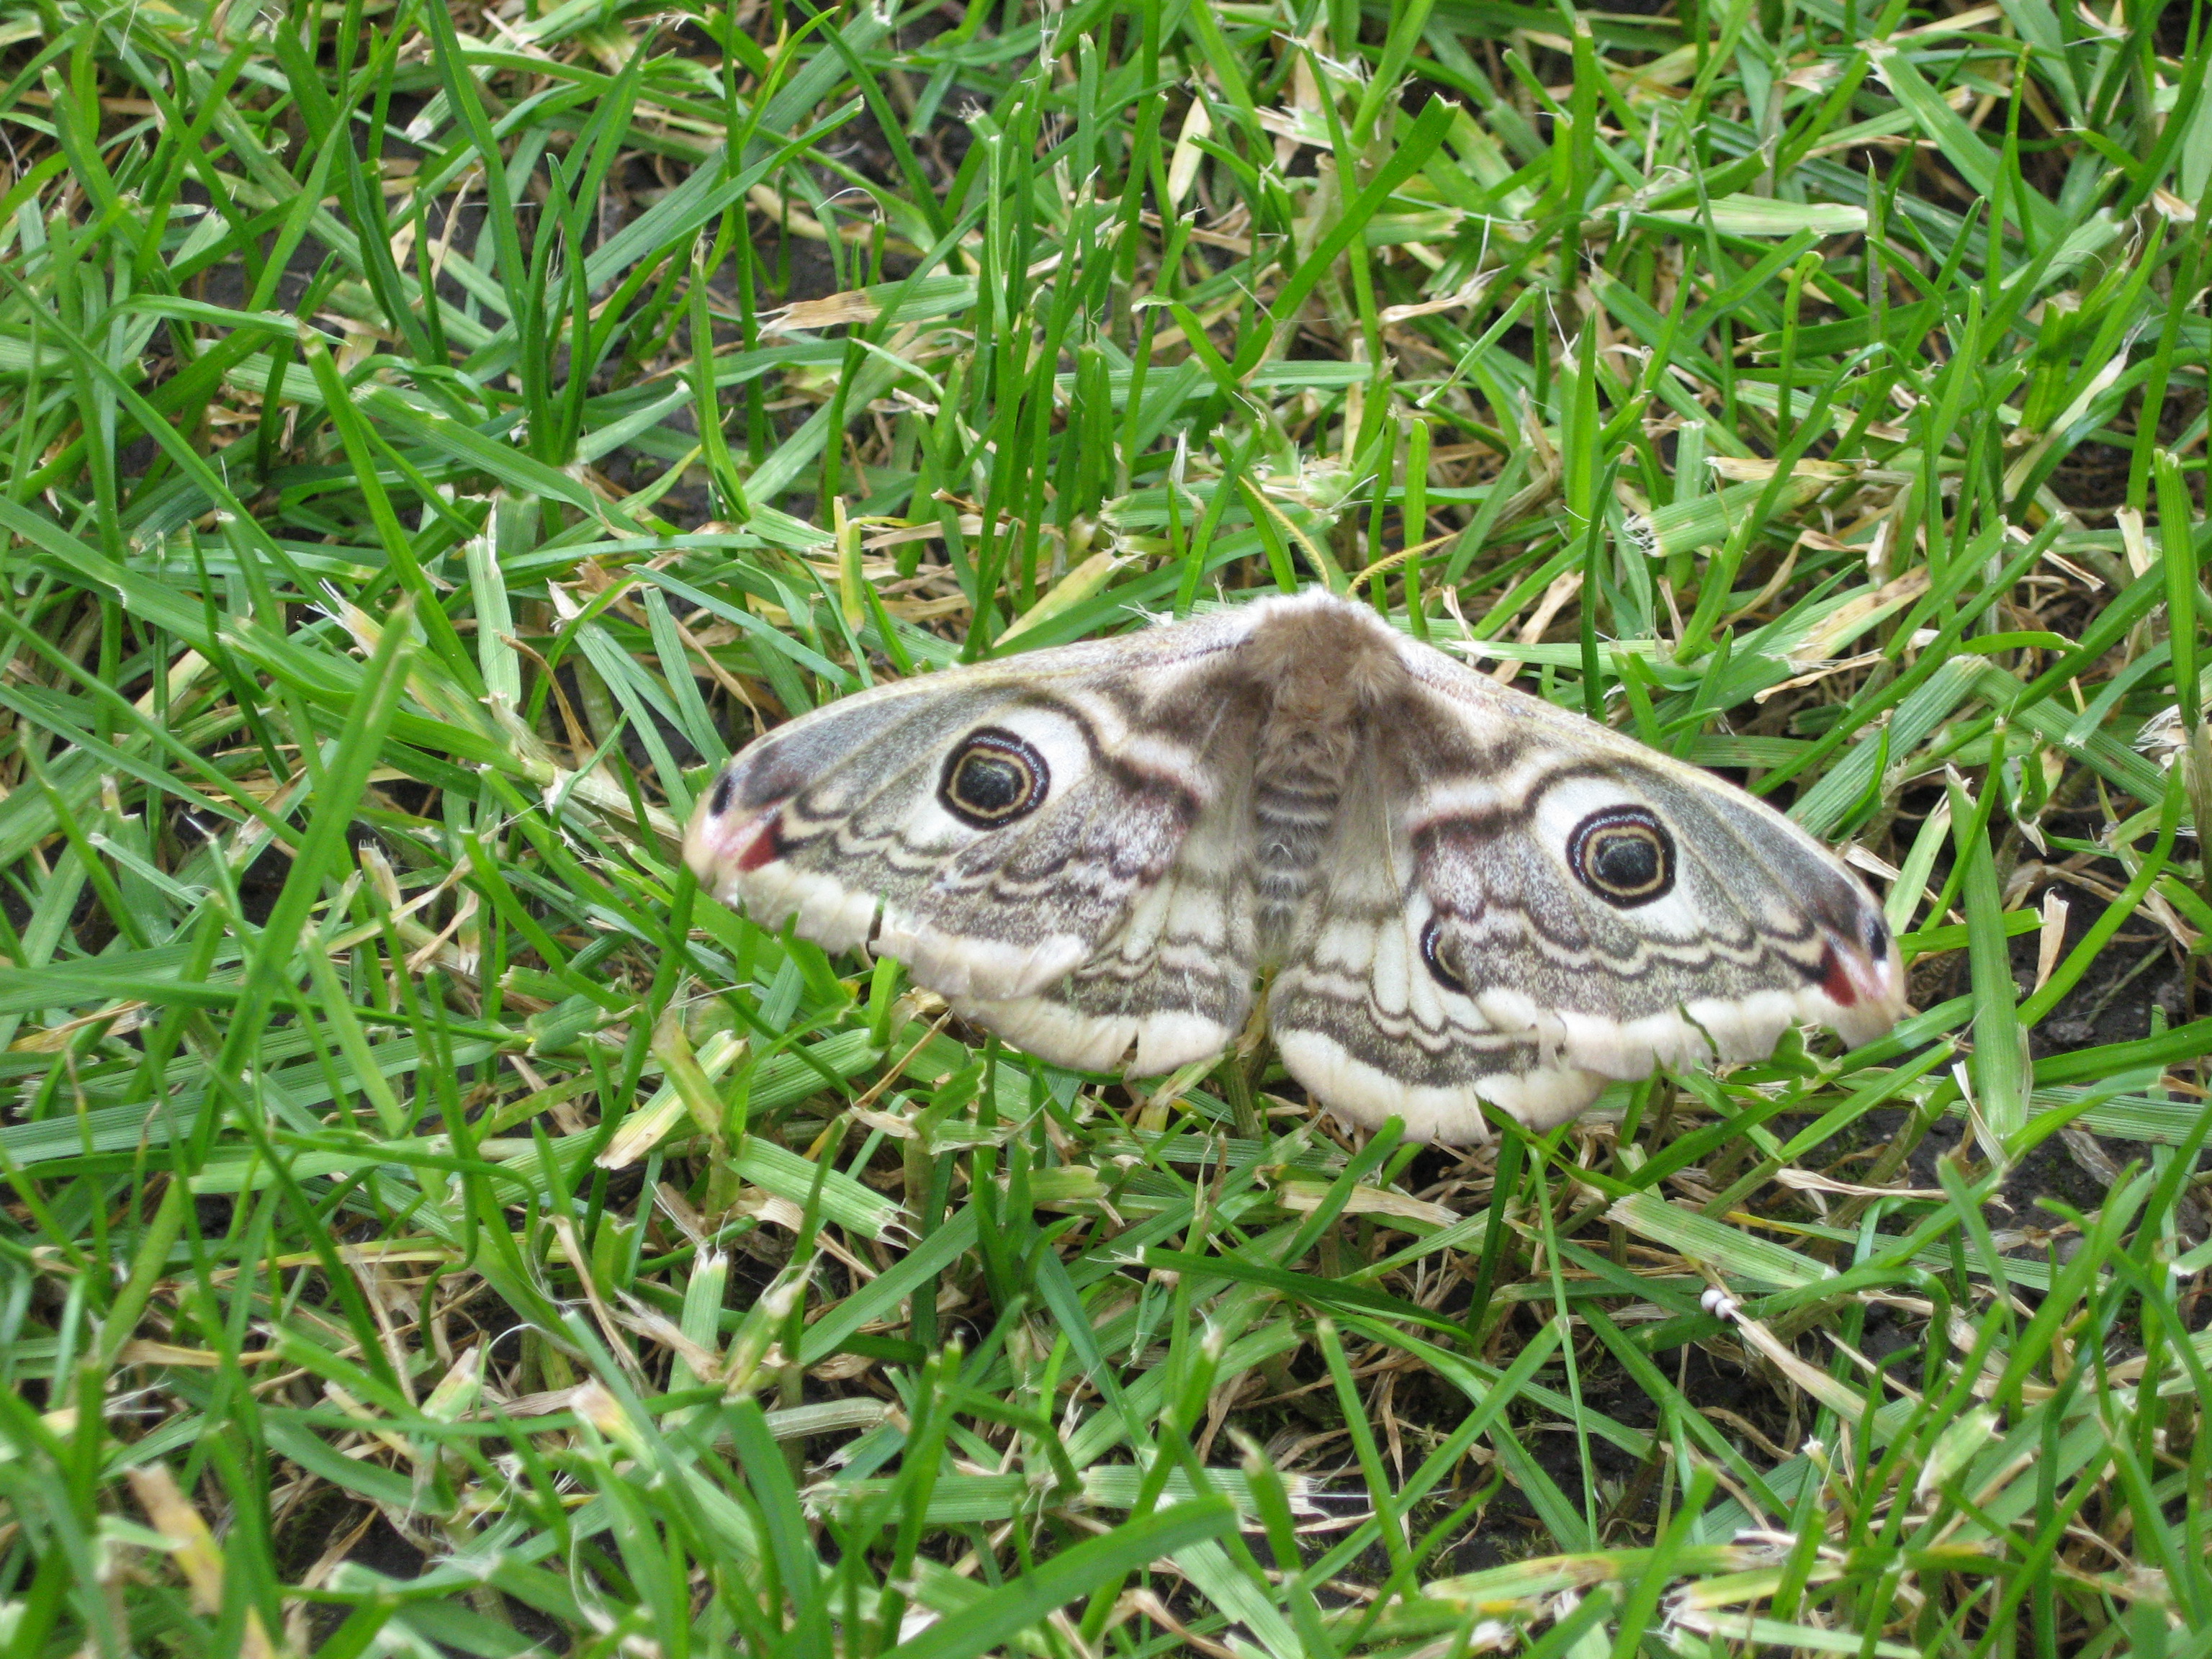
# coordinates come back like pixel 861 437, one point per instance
pixel 437 437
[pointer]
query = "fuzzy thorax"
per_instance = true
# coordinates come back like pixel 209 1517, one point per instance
pixel 1323 662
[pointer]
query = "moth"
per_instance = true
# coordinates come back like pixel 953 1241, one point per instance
pixel 1454 891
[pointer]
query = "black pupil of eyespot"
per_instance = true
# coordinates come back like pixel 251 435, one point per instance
pixel 991 783
pixel 993 779
pixel 1623 856
pixel 1627 860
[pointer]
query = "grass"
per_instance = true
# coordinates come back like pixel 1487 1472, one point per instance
pixel 434 438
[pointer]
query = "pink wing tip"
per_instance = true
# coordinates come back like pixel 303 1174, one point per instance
pixel 724 843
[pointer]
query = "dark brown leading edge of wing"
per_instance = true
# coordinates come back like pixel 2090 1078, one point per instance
pixel 1470 894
